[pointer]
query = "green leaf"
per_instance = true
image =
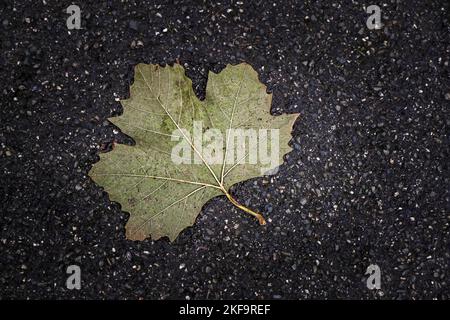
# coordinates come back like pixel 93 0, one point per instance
pixel 177 163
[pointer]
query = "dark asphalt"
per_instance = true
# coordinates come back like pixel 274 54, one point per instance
pixel 367 181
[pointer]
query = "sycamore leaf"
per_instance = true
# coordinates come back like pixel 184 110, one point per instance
pixel 188 151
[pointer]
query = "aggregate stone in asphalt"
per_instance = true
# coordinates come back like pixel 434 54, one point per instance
pixel 366 183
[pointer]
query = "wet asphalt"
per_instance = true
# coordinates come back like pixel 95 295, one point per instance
pixel 366 183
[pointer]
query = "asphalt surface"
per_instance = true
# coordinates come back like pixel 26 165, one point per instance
pixel 367 181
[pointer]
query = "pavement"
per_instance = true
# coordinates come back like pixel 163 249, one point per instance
pixel 366 183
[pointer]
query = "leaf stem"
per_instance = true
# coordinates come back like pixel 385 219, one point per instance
pixel 257 215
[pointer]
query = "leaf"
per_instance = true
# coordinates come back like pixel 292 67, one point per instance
pixel 162 115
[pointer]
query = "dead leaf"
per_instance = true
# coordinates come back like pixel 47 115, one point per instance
pixel 188 151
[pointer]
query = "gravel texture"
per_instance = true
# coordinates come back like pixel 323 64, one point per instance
pixel 367 181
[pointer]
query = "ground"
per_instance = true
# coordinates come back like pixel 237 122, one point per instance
pixel 366 183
